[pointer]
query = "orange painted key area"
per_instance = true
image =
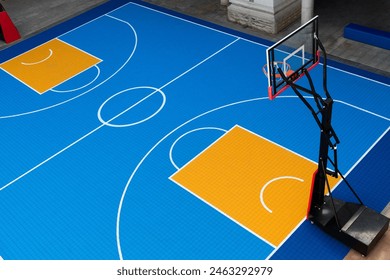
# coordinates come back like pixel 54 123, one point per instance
pixel 49 65
pixel 260 185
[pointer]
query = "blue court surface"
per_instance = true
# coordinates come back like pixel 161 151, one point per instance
pixel 86 164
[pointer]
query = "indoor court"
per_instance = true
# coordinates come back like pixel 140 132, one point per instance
pixel 133 132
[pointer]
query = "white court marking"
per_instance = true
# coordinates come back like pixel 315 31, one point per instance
pixel 270 182
pixel 103 125
pixel 89 90
pixel 132 106
pixel 185 134
pixel 84 86
pixel 118 238
pixel 40 61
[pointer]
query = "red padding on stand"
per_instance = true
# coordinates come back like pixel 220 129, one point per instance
pixel 8 29
pixel 311 193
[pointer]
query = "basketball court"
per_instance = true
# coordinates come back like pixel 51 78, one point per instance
pixel 131 132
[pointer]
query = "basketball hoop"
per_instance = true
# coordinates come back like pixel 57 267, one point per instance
pixel 278 64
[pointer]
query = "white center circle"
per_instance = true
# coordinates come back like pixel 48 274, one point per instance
pixel 136 101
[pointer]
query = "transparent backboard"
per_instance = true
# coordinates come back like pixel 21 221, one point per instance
pixel 290 56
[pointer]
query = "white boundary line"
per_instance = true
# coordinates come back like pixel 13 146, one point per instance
pixel 189 121
pixel 358 75
pixel 249 131
pixel 146 156
pixel 185 134
pixel 89 90
pixel 91 132
pixel 341 102
pixel 186 20
pixel 224 214
pixel 113 118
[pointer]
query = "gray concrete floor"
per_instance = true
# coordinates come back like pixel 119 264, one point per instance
pixel 381 251
pixel 33 16
pixel 333 16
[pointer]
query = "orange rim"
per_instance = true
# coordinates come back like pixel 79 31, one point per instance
pixel 277 76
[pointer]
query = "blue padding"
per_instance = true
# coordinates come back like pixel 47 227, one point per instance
pixel 367 35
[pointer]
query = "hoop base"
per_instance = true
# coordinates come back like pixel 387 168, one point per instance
pixel 359 227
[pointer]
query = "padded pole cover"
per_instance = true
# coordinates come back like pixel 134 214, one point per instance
pixel 10 32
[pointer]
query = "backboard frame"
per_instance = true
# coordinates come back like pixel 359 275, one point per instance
pixel 310 58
